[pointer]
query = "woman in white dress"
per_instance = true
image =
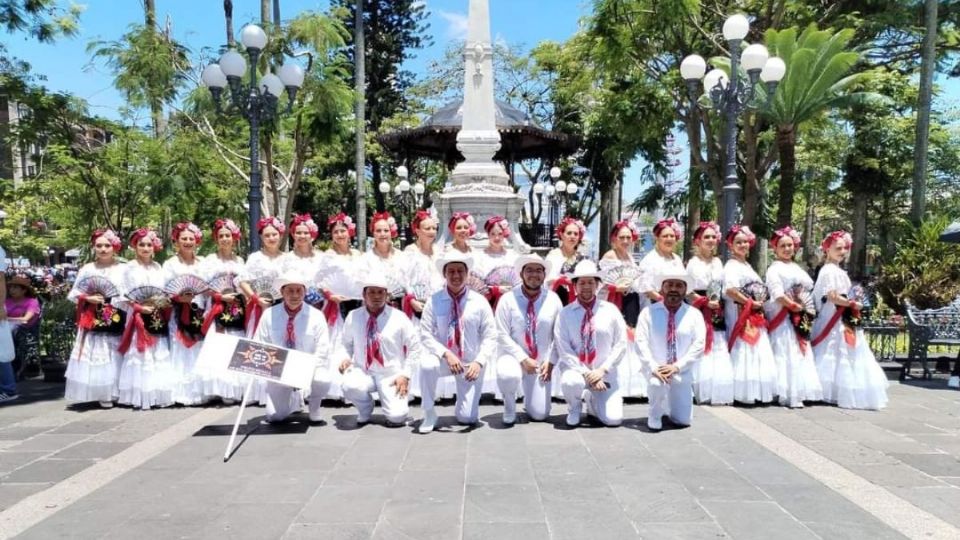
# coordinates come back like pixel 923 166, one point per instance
pixel 713 374
pixel 623 236
pixel 661 259
pixel 188 312
pixel 147 377
pixel 422 257
pixel 94 365
pixel 849 372
pixel 754 368
pixel 495 255
pixel 225 311
pixel 304 260
pixel 789 324
pixel 337 282
pixel 462 227
pixel 571 233
pixel 384 258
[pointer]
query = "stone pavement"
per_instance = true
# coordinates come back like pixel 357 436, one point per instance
pixel 534 480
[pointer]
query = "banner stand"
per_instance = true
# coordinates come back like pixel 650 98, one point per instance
pixel 236 425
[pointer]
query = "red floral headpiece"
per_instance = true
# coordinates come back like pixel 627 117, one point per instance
pixel 457 216
pixel 498 220
pixel 385 216
pixel 228 224
pixel 307 220
pixel 148 233
pixel 187 226
pixel 785 232
pixel 833 237
pixel 345 220
pixel 110 236
pixel 271 221
pixel 421 215
pixel 566 222
pixel 625 223
pixel 704 227
pixel 669 222
pixel 740 229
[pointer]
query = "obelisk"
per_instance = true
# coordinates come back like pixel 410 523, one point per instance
pixel 479 184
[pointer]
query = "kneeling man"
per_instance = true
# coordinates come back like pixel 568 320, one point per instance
pixel 671 336
pixel 591 339
pixel 295 325
pixel 378 348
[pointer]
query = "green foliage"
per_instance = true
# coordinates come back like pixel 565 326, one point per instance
pixel 925 271
pixel 43 20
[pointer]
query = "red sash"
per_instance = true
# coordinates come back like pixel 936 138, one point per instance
pixel 748 326
pixel 86 313
pixel 565 282
pixel 183 321
pixel 331 309
pixel 214 312
pixel 254 311
pixel 407 305
pixel 136 326
pixel 702 304
pixel 614 296
pixel 849 334
pixel 494 295
pixel 779 319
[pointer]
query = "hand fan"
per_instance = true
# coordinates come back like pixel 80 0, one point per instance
pixel 186 284
pixel 756 291
pixel 476 282
pixel 223 283
pixel 98 285
pixel 503 276
pixel 149 295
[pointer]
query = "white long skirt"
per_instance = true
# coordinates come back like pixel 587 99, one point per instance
pixel 94 368
pixel 713 374
pixel 222 383
pixel 797 378
pixel 148 379
pixel 630 375
pixel 850 376
pixel 189 388
pixel 754 371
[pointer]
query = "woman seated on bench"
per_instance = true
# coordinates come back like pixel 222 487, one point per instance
pixel 23 313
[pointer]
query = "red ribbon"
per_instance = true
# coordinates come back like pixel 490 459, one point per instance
pixel 254 311
pixel 614 296
pixel 214 312
pixel 702 304
pixel 748 326
pixel 779 319
pixel 407 305
pixel 374 354
pixel 494 295
pixel 86 313
pixel 331 309
pixel 183 321
pixel 136 326
pixel 565 282
pixel 588 346
pixel 849 334
pixel 530 328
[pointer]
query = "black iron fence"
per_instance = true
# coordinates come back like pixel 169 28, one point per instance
pixel 538 235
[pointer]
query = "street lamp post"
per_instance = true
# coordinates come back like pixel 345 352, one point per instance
pixel 557 192
pixel 730 96
pixel 408 197
pixel 257 101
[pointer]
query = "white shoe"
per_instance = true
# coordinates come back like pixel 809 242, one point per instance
pixel 573 418
pixel 316 416
pixel 509 411
pixel 954 382
pixel 655 422
pixel 363 418
pixel 106 404
pixel 429 421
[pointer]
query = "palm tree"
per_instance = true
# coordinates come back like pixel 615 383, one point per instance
pixel 927 66
pixel 818 64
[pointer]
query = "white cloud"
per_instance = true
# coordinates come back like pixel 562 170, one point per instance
pixel 457 24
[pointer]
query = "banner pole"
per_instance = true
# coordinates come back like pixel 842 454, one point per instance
pixel 236 425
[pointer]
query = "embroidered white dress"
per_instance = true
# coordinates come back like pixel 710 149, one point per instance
pixel 259 265
pixel 424 280
pixel 225 384
pixel 484 263
pixel 632 381
pixel 190 389
pixel 797 379
pixel 94 366
pixel 754 368
pixel 340 274
pixel 849 374
pixel 148 378
pixel 713 375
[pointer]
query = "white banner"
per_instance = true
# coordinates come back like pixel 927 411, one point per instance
pixel 255 359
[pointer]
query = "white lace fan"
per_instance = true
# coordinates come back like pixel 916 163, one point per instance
pixel 620 275
pixel 339 282
pixel 501 276
pixel 265 288
pixel 149 295
pixel 394 287
pixel 98 285
pixel 224 282
pixel 186 284
pixel 475 281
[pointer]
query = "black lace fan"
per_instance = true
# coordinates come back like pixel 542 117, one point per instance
pixel 265 288
pixel 756 291
pixel 98 285
pixel 149 295
pixel 186 284
pixel 223 282
pixel 803 296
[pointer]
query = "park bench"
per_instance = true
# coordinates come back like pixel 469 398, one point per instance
pixel 930 327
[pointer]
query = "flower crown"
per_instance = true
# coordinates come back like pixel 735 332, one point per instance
pixel 385 216
pixel 625 223
pixel 704 227
pixel 833 237
pixel 149 234
pixel 187 226
pixel 228 224
pixel 457 216
pixel 668 222
pixel 740 229
pixel 107 234
pixel 566 222
pixel 785 232
pixel 271 221
pixel 498 220
pixel 421 215
pixel 344 220
pixel 307 220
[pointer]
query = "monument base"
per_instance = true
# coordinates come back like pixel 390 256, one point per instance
pixel 483 201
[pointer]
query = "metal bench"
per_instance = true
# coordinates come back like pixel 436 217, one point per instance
pixel 930 327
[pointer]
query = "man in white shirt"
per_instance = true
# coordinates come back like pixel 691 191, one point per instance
pixel 525 322
pixel 671 336
pixel 378 347
pixel 459 336
pixel 295 325
pixel 591 340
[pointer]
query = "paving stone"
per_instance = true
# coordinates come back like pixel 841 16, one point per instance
pixel 853 531
pixel 578 529
pixel 896 475
pixel 11 494
pixel 573 459
pixel 91 450
pixel 946 443
pixel 330 531
pixel 291 486
pixel 718 484
pixel 47 443
pixel 344 504
pixel 813 503
pixel 932 464
pixel 10 461
pixel 745 519
pixel 373 475
pixel 682 531
pixel 849 453
pixel 658 502
pixel 247 521
pixel 435 459
pixel 942 502
pixel 511 503
pixel 84 427
pixel 48 470
pixel 422 528
pixel 505 531
pixel 20 433
pixel 500 468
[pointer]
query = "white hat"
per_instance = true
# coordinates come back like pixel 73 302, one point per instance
pixel 288 278
pixel 532 258
pixel 585 269
pixel 452 256
pixel 674 275
pixel 374 279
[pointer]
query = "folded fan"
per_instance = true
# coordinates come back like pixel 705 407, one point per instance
pixel 756 291
pixel 264 287
pixel 223 283
pixel 337 281
pixel 395 288
pixel 619 275
pixel 98 285
pixel 149 295
pixel 715 290
pixel 503 276
pixel 476 282
pixel 803 296
pixel 186 284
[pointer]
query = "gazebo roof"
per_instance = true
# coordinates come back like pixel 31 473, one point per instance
pixel 520 137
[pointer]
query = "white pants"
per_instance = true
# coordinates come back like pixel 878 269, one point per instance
pixel 468 392
pixel 358 388
pixel 536 393
pixel 676 395
pixel 607 405
pixel 282 401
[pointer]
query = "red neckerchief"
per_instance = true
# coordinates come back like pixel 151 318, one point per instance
pixel 588 349
pixel 672 334
pixel 455 341
pixel 291 342
pixel 373 339
pixel 530 328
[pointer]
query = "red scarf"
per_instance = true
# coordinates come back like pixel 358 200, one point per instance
pixel 291 340
pixel 672 334
pixel 331 309
pixel 183 321
pixel 455 341
pixel 565 282
pixel 254 311
pixel 136 326
pixel 779 319
pixel 702 304
pixel 530 328
pixel 374 354
pixel 215 311
pixel 748 326
pixel 614 296
pixel 588 348
pixel 849 334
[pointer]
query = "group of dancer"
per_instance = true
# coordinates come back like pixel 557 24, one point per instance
pixel 436 320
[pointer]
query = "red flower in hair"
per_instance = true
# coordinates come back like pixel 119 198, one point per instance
pixel 226 223
pixel 110 236
pixel 307 220
pixel 740 229
pixel 625 224
pixel 385 216
pixel 148 233
pixel 785 232
pixel 345 220
pixel 833 237
pixel 498 220
pixel 457 216
pixel 188 226
pixel 669 222
pixel 421 215
pixel 566 222
pixel 271 221
pixel 703 227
